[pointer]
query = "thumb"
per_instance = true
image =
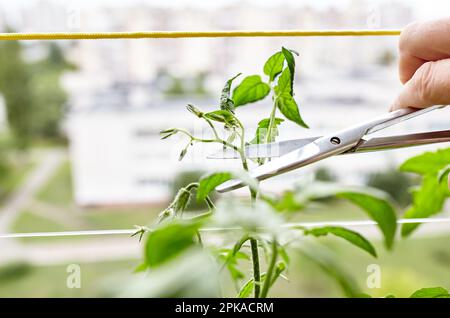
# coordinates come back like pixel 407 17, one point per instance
pixel 430 85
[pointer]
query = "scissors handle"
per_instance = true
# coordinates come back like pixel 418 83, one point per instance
pixel 398 116
pixel 402 141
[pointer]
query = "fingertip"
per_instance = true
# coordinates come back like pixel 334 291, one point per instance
pixel 394 106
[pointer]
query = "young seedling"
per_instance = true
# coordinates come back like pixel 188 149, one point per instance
pixel 261 219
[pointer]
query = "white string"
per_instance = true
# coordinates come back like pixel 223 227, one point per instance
pixel 213 229
pixel 69 233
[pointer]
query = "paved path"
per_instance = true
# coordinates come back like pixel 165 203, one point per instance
pixel 44 170
pixel 50 161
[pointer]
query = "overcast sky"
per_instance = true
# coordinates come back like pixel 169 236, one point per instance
pixel 424 9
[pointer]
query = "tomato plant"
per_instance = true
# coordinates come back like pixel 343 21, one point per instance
pixel 174 245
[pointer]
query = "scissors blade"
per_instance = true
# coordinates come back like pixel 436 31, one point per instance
pixel 278 149
pixel 325 147
pixel 270 150
pixel 317 150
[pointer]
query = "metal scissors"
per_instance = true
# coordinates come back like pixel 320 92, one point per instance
pixel 293 154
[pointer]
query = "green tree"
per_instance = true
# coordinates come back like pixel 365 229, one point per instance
pixel 16 89
pixel 49 97
pixel 33 95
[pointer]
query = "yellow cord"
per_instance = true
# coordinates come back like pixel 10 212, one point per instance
pixel 190 34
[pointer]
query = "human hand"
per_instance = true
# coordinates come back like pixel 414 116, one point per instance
pixel 424 65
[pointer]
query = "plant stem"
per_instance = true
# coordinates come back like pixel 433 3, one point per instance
pixel 273 261
pixel 210 204
pixel 253 241
pixel 256 268
pixel 212 127
pixel 199 237
pixel 271 123
pixel 255 254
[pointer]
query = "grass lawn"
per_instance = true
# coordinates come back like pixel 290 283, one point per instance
pixel 14 179
pixel 97 280
pixel 29 222
pixel 59 189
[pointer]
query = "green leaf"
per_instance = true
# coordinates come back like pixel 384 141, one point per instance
pixel 251 89
pixel 208 183
pixel 261 131
pixel 291 66
pixel 434 292
pixel 284 83
pixel 379 210
pixel 236 248
pixel 226 103
pixel 428 200
pixel 141 268
pixel 231 262
pixel 184 152
pixel 289 108
pixel 232 137
pixel 443 174
pixel 247 179
pixel 246 289
pixel 194 110
pixel 191 274
pixel 274 65
pixel 168 133
pixel 324 259
pixel 255 218
pixel 222 116
pixel 284 255
pixel 286 203
pixel 168 241
pixel 428 162
pixel 231 256
pixel 181 200
pixel 279 269
pixel 235 273
pixel 348 235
